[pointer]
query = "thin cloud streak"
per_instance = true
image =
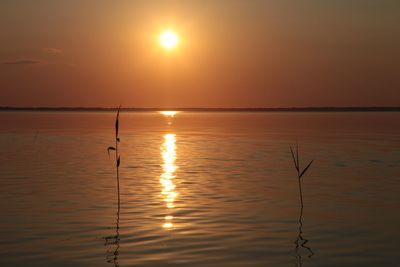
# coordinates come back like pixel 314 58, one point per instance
pixel 52 51
pixel 22 62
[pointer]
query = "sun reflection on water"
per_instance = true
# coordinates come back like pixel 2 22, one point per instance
pixel 168 153
pixel 169 113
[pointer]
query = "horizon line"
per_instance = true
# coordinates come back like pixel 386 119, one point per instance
pixel 254 109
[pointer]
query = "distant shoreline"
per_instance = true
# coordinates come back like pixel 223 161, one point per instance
pixel 287 109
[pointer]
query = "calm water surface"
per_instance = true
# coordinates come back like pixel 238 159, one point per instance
pixel 199 189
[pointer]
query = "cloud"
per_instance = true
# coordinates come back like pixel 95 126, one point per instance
pixel 52 51
pixel 22 62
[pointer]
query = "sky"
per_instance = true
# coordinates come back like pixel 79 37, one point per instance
pixel 231 53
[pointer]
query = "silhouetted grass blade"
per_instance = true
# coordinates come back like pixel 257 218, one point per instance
pixel 110 148
pixel 297 156
pixel 300 241
pixel 304 171
pixel 117 122
pixel 294 160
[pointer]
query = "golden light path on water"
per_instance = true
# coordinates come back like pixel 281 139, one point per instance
pixel 168 153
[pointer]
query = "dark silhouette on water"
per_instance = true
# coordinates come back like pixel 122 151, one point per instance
pixel 115 148
pixel 112 255
pixel 113 241
pixel 300 241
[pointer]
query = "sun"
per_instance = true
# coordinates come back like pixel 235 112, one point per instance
pixel 169 39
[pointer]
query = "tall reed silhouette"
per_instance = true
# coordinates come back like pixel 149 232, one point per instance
pixel 114 239
pixel 115 149
pixel 300 240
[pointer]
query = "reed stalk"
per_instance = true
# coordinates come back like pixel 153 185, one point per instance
pixel 116 237
pixel 300 241
pixel 115 149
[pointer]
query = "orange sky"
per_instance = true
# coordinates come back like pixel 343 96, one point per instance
pixel 231 54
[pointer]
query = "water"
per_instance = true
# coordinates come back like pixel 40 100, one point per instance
pixel 199 189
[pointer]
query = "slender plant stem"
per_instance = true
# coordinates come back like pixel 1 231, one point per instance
pixel 115 259
pixel 301 197
pixel 116 238
pixel 300 241
pixel 116 160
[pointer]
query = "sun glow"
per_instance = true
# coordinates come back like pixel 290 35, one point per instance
pixel 169 113
pixel 169 39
